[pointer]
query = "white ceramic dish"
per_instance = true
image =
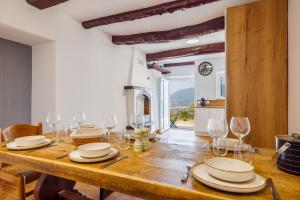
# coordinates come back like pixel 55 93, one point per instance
pixel 88 133
pixel 76 156
pixel 30 140
pixel 87 126
pixel 257 183
pixel 228 143
pixel 14 146
pixel 93 150
pixel 229 169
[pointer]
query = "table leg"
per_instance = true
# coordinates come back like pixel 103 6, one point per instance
pixel 104 193
pixel 48 187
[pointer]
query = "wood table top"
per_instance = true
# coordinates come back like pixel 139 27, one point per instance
pixel 154 174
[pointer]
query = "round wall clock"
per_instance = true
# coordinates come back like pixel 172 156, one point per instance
pixel 205 68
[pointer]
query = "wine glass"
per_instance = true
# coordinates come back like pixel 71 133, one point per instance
pixel 109 122
pixel 240 127
pixel 79 118
pixel 218 129
pixel 52 120
pixel 137 120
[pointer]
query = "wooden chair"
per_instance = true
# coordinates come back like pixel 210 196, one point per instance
pixel 173 121
pixel 14 174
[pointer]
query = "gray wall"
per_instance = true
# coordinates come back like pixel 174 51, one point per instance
pixel 15 83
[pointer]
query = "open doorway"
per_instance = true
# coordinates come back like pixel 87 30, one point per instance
pixel 15 82
pixel 181 97
pixel 190 97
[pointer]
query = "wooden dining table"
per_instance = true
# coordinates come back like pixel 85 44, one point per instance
pixel 154 174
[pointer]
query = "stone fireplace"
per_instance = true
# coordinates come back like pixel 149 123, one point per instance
pixel 138 100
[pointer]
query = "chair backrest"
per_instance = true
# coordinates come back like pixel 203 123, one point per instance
pixel 20 130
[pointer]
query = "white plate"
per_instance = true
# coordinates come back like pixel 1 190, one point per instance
pixel 254 185
pixel 228 143
pixel 76 157
pixel 89 133
pixel 13 145
pixel 87 126
pixel 93 150
pixel 30 140
pixel 229 169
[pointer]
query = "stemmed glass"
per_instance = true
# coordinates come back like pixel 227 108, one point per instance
pixel 218 129
pixel 52 120
pixel 137 121
pixel 79 118
pixel 109 122
pixel 240 127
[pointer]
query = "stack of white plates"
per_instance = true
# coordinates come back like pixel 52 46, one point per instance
pixel 93 152
pixel 87 126
pixel 88 133
pixel 28 142
pixel 229 143
pixel 229 175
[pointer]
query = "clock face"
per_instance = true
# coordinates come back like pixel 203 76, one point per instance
pixel 205 68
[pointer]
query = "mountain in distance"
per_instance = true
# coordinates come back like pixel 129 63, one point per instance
pixel 182 98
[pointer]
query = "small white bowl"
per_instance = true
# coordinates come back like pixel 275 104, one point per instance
pixel 30 140
pixel 229 169
pixel 93 150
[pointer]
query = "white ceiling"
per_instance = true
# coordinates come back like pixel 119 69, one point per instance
pixel 89 9
pixel 83 10
pixel 206 39
pixel 192 58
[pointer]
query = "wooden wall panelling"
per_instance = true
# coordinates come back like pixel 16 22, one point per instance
pixel 256 49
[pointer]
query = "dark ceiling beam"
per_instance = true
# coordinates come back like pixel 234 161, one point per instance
pixel 158 68
pixel 179 64
pixel 190 51
pixel 186 32
pixel 160 9
pixel 43 4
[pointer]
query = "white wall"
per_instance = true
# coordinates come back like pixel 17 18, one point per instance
pixel 294 69
pixel 140 74
pixel 43 81
pixel 205 86
pixel 81 69
pixel 155 78
pixel 181 71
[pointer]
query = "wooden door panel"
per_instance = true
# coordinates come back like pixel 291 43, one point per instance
pixel 256 49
